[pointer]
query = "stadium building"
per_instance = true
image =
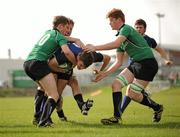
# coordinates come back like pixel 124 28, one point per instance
pixel 12 74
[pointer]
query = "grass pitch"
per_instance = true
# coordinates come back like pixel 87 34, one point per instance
pixel 16 116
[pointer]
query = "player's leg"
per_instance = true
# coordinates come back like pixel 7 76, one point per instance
pixel 126 101
pixel 49 85
pixel 135 92
pixel 122 80
pixel 39 100
pixel 83 106
pixel 40 72
pixel 144 72
pixel 59 108
pixel 63 80
pixel 60 111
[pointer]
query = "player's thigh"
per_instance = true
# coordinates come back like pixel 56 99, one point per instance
pixel 144 70
pixel 122 80
pixel 49 85
pixel 128 75
pixel 73 83
pixel 134 90
pixel 61 84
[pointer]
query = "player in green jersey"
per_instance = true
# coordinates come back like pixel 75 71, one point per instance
pixel 140 26
pixel 41 97
pixel 36 66
pixel 67 77
pixel 137 75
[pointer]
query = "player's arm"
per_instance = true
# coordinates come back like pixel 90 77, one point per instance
pixel 112 69
pixel 76 40
pixel 117 64
pixel 108 46
pixel 106 60
pixel 53 64
pixel 69 55
pixel 164 55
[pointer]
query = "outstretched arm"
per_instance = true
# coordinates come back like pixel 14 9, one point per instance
pixel 106 60
pixel 164 55
pixel 112 69
pixel 108 46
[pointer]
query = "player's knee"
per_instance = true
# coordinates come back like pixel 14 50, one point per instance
pixel 72 81
pixel 53 95
pixel 119 82
pixel 116 85
pixel 134 90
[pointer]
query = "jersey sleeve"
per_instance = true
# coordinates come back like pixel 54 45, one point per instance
pixel 74 48
pixel 98 57
pixel 153 42
pixel 59 54
pixel 125 31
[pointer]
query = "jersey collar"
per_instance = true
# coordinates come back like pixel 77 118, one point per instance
pixel 119 29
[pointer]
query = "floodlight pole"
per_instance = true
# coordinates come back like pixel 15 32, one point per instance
pixel 159 15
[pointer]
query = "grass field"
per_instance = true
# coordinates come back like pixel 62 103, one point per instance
pixel 16 115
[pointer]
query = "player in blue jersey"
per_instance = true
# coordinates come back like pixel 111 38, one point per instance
pixel 63 68
pixel 65 76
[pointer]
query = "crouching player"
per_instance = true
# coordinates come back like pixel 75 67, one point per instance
pixel 64 70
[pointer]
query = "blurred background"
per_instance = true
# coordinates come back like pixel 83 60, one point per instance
pixel 23 22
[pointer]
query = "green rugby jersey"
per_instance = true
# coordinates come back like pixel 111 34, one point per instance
pixel 48 43
pixel 135 45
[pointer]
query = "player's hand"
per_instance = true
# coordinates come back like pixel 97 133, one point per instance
pixel 95 71
pixel 168 62
pixel 89 48
pixel 80 43
pixel 99 77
